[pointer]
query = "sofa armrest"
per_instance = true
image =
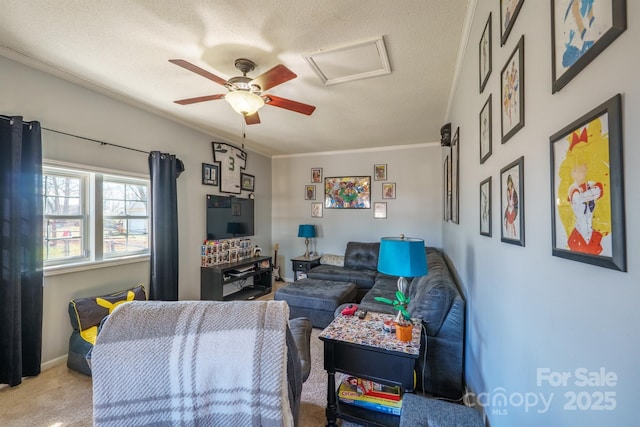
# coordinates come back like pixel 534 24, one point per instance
pixel 301 331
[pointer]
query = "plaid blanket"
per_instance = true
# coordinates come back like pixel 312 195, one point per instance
pixel 192 363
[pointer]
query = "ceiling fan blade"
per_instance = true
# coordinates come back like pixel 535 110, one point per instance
pixel 275 76
pixel 194 68
pixel 288 104
pixel 253 119
pixel 199 99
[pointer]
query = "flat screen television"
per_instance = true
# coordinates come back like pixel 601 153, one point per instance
pixel 229 217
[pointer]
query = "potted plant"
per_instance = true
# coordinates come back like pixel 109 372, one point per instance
pixel 404 326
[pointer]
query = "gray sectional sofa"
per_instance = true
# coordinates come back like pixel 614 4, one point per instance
pixel 435 299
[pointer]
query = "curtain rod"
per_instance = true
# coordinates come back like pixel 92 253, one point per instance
pixel 81 137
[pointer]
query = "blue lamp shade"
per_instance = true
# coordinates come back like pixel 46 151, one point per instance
pixel 402 256
pixel 307 230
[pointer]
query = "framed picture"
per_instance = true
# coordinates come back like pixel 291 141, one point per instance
pixel 380 172
pixel 579 32
pixel 509 10
pixel 309 192
pixel 380 210
pixel 455 175
pixel 389 190
pixel 485 207
pixel 232 160
pixel 209 174
pixel 446 189
pixel 486 140
pixel 512 93
pixel 347 192
pixel 485 54
pixel 248 182
pixel 587 191
pixel 316 175
pixel 512 202
pixel 316 210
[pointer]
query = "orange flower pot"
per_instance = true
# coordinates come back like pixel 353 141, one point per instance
pixel 404 332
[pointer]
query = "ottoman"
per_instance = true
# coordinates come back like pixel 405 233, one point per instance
pixel 316 299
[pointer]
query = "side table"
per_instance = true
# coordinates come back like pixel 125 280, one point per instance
pixel 360 347
pixel 301 265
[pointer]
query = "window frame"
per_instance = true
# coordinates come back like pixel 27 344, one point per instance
pixel 92 204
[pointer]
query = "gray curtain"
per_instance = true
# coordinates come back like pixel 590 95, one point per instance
pixel 20 249
pixel 164 170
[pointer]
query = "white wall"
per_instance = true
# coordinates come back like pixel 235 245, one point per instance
pixel 416 211
pixel 66 107
pixel 526 309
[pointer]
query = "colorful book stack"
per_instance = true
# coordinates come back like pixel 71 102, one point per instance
pixel 370 395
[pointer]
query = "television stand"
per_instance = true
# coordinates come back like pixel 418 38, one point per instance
pixel 217 283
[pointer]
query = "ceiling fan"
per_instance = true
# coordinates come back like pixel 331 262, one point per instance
pixel 245 95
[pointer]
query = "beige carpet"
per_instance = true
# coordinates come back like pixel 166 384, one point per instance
pixel 60 397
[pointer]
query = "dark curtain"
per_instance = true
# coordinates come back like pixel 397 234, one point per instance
pixel 20 249
pixel 164 169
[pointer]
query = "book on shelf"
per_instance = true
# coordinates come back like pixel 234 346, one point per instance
pixel 357 392
pixel 353 387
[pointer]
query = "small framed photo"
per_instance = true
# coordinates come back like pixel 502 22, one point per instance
pixel 209 174
pixel 587 189
pixel 485 207
pixel 512 93
pixel 316 210
pixel 380 172
pixel 380 210
pixel 316 175
pixel 485 54
pixel 486 141
pixel 389 190
pixel 309 192
pixel 248 182
pixel 580 31
pixel 512 202
pixel 509 10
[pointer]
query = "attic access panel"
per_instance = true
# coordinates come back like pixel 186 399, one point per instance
pixel 353 62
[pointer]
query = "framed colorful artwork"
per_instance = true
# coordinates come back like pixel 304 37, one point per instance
pixel 485 207
pixel 316 210
pixel 347 192
pixel 485 54
pixel 380 172
pixel 389 190
pixel 380 210
pixel 512 202
pixel 580 31
pixel 512 93
pixel 455 175
pixel 316 175
pixel 209 174
pixel 509 10
pixel 248 181
pixel 587 191
pixel 309 192
pixel 485 131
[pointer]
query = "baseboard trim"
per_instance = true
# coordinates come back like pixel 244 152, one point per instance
pixel 53 363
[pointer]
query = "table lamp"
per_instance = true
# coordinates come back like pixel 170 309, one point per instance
pixel 307 231
pixel 403 257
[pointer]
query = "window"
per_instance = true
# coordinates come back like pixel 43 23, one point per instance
pixel 90 216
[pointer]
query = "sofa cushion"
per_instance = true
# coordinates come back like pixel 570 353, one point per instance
pixel 362 278
pixel 329 259
pixel 433 294
pixel 362 256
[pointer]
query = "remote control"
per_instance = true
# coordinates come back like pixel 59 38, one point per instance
pixel 361 314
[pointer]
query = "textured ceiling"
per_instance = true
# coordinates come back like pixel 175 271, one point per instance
pixel 122 47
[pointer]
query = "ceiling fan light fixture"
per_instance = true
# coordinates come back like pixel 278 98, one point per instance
pixel 244 102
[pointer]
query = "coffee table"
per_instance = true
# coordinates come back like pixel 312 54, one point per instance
pixel 360 347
